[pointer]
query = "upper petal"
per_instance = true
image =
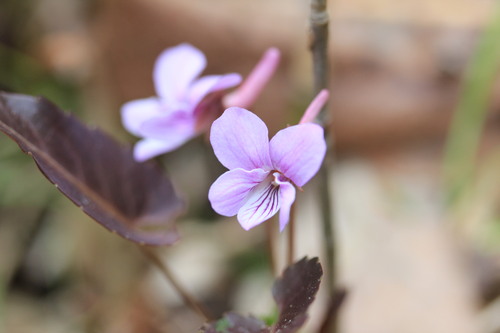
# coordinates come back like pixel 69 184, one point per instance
pixel 248 92
pixel 227 194
pixel 135 113
pixel 210 83
pixel 175 70
pixel 315 107
pixel 261 204
pixel 240 140
pixel 298 151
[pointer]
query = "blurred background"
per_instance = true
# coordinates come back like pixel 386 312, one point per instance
pixel 417 206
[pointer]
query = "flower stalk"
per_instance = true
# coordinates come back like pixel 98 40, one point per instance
pixel 188 299
pixel 291 237
pixel 271 247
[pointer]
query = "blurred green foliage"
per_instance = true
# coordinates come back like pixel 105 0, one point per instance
pixel 468 121
pixel 256 259
pixel 23 189
pixel 21 73
pixel 20 181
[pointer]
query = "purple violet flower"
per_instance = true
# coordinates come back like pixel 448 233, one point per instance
pixel 262 172
pixel 186 105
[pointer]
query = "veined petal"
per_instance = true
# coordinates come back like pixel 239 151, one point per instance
pixel 168 128
pixel 135 113
pixel 298 151
pixel 287 197
pixel 210 83
pixel 240 140
pixel 149 148
pixel 261 204
pixel 175 69
pixel 227 194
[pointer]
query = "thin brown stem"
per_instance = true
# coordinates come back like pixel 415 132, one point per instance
pixel 319 44
pixel 291 237
pixel 271 248
pixel 186 296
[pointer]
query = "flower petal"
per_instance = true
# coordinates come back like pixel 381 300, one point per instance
pixel 287 197
pixel 135 113
pixel 298 151
pixel 261 204
pixel 315 107
pixel 240 140
pixel 149 148
pixel 210 83
pixel 227 194
pixel 248 92
pixel 175 70
pixel 168 128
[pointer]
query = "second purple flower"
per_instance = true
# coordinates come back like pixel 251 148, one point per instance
pixel 186 104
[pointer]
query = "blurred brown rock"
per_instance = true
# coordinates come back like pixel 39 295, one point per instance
pixel 396 66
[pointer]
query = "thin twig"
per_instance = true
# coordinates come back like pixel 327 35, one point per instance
pixel 291 237
pixel 186 296
pixel 319 44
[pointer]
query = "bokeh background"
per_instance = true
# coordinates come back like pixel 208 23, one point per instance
pixel 412 259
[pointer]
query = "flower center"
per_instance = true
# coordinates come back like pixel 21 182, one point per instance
pixel 278 178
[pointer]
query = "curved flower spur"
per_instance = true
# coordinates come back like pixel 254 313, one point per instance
pixel 186 105
pixel 263 173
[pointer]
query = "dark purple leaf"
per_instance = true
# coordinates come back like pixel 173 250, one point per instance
pixel 132 199
pixel 235 323
pixel 294 292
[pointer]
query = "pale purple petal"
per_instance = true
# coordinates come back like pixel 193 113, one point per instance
pixel 287 197
pixel 315 107
pixel 298 151
pixel 149 148
pixel 261 204
pixel 210 83
pixel 175 70
pixel 240 140
pixel 135 113
pixel 168 128
pixel 227 194
pixel 248 92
